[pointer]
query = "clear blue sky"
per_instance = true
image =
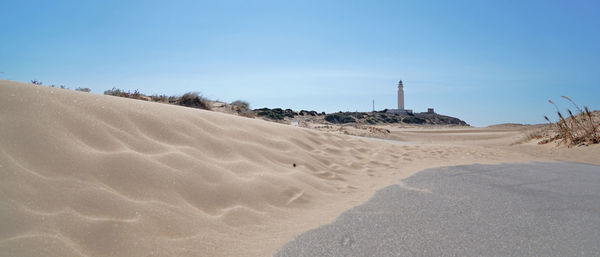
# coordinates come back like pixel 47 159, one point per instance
pixel 483 61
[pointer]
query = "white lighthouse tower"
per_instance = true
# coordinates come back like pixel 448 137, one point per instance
pixel 400 109
pixel 400 96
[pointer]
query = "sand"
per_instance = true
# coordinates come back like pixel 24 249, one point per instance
pixel 501 138
pixel 92 175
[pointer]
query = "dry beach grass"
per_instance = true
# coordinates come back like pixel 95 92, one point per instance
pixel 576 129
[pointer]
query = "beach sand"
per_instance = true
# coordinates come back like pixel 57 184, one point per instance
pixel 93 175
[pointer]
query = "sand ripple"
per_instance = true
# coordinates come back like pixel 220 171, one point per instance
pixel 94 175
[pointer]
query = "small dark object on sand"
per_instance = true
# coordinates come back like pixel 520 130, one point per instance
pixel 294 165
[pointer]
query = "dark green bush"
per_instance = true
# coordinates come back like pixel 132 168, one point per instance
pixel 339 118
pixel 413 120
pixel 358 115
pixel 289 113
pixel 274 114
pixel 391 120
pixel 305 112
pixel 371 120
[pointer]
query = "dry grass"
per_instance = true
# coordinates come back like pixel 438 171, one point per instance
pixel 191 99
pixel 242 108
pixel 121 93
pixel 159 98
pixel 377 130
pixel 582 128
pixel 194 100
pixel 241 104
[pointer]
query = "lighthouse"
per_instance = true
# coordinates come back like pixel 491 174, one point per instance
pixel 400 109
pixel 400 96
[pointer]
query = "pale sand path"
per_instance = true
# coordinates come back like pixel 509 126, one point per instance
pixel 93 175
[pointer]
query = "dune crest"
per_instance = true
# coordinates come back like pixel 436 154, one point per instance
pixel 94 175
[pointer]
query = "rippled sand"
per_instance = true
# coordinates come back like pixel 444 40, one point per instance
pixel 93 175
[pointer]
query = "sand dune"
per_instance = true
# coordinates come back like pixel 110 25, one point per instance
pixel 93 175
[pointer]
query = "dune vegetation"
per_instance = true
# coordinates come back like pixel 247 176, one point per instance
pixel 580 128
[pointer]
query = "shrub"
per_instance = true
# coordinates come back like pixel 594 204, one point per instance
pixel 305 112
pixel 371 120
pixel 83 89
pixel 173 99
pixel 159 98
pixel 358 115
pixel 393 120
pixel 114 92
pixel 194 100
pixel 241 104
pixel 242 108
pixel 274 114
pixel 121 93
pixel 339 118
pixel 137 95
pixel 289 113
pixel 413 120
